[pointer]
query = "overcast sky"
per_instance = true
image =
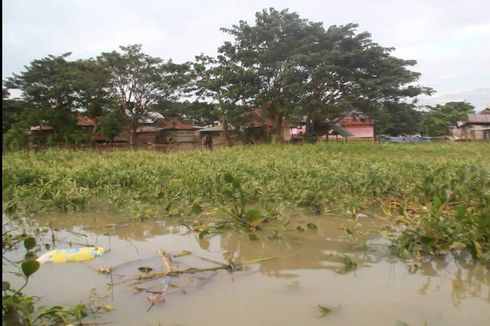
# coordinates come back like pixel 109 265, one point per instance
pixel 450 39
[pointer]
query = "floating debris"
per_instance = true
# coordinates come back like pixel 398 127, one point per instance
pixel 71 254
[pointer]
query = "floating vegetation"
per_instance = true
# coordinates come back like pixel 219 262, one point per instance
pixel 325 310
pixel 349 264
pixel 18 308
pixel 437 195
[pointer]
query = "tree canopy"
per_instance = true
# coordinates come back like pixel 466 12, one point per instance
pixel 437 120
pixel 304 70
pixel 289 67
pixel 138 81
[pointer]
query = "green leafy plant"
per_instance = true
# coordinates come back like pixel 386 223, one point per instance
pixel 18 308
pixel 242 187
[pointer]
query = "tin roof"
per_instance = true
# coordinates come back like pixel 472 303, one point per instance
pixel 478 118
pixel 43 128
pixel 149 129
pixel 168 123
pixel 215 128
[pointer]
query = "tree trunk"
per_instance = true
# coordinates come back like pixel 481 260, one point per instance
pixel 134 135
pixel 308 126
pixel 277 128
pixel 93 135
pixel 226 132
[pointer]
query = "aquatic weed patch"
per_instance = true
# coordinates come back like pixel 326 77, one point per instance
pixel 324 177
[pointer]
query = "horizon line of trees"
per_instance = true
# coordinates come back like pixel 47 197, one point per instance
pixel 288 66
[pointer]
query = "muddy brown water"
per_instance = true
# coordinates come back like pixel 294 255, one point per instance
pixel 308 272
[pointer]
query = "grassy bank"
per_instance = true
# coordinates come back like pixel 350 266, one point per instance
pixel 441 191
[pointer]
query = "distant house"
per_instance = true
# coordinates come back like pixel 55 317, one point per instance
pixel 217 134
pixel 474 127
pixel 357 124
pixel 165 131
pixel 179 131
pixel 85 124
pixel 149 135
pixel 353 125
pixel 256 128
pixel 261 125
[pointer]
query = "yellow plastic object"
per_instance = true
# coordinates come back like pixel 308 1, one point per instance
pixel 71 254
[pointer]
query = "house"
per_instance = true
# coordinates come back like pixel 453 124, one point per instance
pixel 357 124
pixel 475 127
pixel 353 125
pixel 168 132
pixel 260 127
pixel 149 135
pixel 217 134
pixel 256 128
pixel 85 125
pixel 180 132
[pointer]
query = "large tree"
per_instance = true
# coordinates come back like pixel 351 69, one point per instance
pixel 138 81
pixel 304 70
pixel 12 110
pixel 437 119
pixel 346 70
pixel 111 124
pixel 227 85
pixel 48 85
pixel 198 112
pixel 269 50
pixel 396 119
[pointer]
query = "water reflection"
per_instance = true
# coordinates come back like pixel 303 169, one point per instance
pixel 320 250
pixel 468 279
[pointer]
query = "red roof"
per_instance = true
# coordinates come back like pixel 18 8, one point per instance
pixel 82 121
pixel 354 118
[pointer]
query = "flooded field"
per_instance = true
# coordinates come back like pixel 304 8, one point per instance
pixel 313 277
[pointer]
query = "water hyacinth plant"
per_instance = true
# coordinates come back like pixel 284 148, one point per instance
pixel 440 192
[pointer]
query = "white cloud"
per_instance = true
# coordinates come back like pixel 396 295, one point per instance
pixel 480 98
pixel 446 37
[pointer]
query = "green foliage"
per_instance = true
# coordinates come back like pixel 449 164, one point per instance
pixel 349 264
pixel 439 232
pixel 138 81
pixel 18 308
pixel 302 69
pixel 239 216
pixel 325 310
pixel 437 120
pixel 29 243
pixel 12 113
pixel 60 315
pixel 16 138
pixel 200 113
pixel 29 267
pixel 289 67
pixel 396 118
pixel 111 124
pixel 242 187
pixel 48 84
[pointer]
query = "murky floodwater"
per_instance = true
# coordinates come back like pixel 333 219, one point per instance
pixel 309 271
